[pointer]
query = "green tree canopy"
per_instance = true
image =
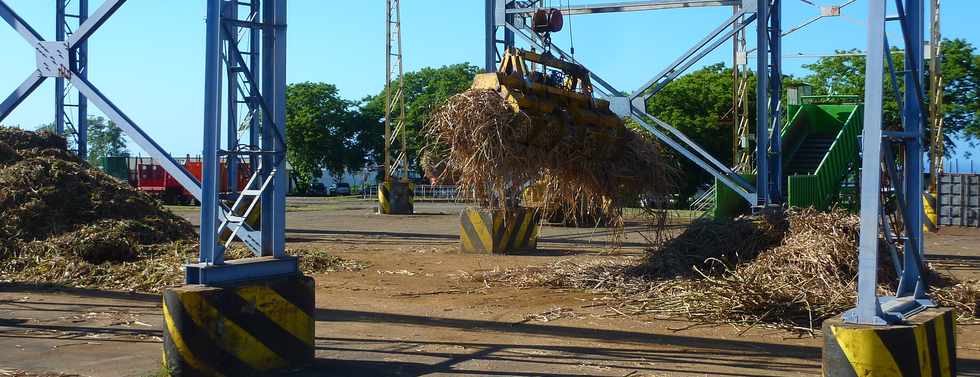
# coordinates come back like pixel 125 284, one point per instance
pixel 961 100
pixel 699 105
pixel 425 90
pixel 844 74
pixel 321 132
pixel 105 139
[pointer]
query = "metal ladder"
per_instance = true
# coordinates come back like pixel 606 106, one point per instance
pixel 235 222
pixel 705 201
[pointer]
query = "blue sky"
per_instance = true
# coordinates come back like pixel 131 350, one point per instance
pixel 149 57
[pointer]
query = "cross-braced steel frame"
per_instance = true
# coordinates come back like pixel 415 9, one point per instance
pixel 903 172
pixel 69 16
pixel 507 19
pixel 260 91
pixel 61 59
pixel 246 45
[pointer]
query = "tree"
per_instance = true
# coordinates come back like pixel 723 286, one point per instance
pixel 321 132
pixel 844 74
pixel 425 91
pixel 961 75
pixel 699 105
pixel 105 139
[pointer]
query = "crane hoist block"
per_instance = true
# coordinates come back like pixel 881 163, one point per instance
pixel 556 95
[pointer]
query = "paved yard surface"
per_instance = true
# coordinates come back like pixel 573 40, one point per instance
pixel 410 314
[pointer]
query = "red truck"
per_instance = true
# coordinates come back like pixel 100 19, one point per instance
pixel 155 180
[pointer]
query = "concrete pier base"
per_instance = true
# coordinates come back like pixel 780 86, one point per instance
pixel 396 198
pixel 926 346
pixel 493 232
pixel 247 329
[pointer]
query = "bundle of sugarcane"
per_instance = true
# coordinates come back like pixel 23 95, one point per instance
pixel 792 272
pixel 496 152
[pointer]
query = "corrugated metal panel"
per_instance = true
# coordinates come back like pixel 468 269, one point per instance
pixel 959 200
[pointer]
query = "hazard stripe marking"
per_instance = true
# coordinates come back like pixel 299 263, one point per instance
pixel 229 336
pixel 858 344
pixel 186 355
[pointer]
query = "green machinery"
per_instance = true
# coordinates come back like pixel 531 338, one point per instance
pixel 820 149
pixel 116 166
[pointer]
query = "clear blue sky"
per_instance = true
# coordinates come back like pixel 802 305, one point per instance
pixel 149 57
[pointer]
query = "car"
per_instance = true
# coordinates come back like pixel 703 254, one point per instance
pixel 340 189
pixel 318 189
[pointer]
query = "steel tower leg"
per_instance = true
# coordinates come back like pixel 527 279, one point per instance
pixel 768 107
pixel 211 252
pixel 78 62
pixel 762 105
pixel 497 20
pixel 906 180
pixel 59 82
pixel 264 93
pixel 81 69
pixel 775 102
pixel 231 160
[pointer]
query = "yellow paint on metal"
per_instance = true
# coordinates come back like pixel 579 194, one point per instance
pixel 942 346
pixel 481 229
pixel 383 200
pixel 185 353
pixel 279 310
pixel 866 352
pixel 228 335
pixel 522 232
pixel 931 216
pixel 922 349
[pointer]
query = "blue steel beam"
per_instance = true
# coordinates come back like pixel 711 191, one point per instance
pixel 275 16
pixel 907 180
pixel 912 282
pixel 732 181
pixel 868 310
pixel 59 82
pixel 231 130
pixel 703 47
pixel 775 81
pixel 77 77
pixel 631 6
pixel 78 63
pixel 185 178
pixel 762 106
pixel 80 68
pixel 211 251
pixel 25 30
pixel 94 22
pixel 25 89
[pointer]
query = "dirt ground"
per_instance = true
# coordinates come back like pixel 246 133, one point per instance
pixel 410 313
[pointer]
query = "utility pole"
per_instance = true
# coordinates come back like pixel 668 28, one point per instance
pixel 936 151
pixel 395 195
pixel 395 97
pixel 741 155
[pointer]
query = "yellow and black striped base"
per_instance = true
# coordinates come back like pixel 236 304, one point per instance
pixel 925 347
pixel 248 329
pixel 396 198
pixel 930 221
pixel 493 232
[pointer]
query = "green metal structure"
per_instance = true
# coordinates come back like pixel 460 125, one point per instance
pixel 116 166
pixel 820 148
